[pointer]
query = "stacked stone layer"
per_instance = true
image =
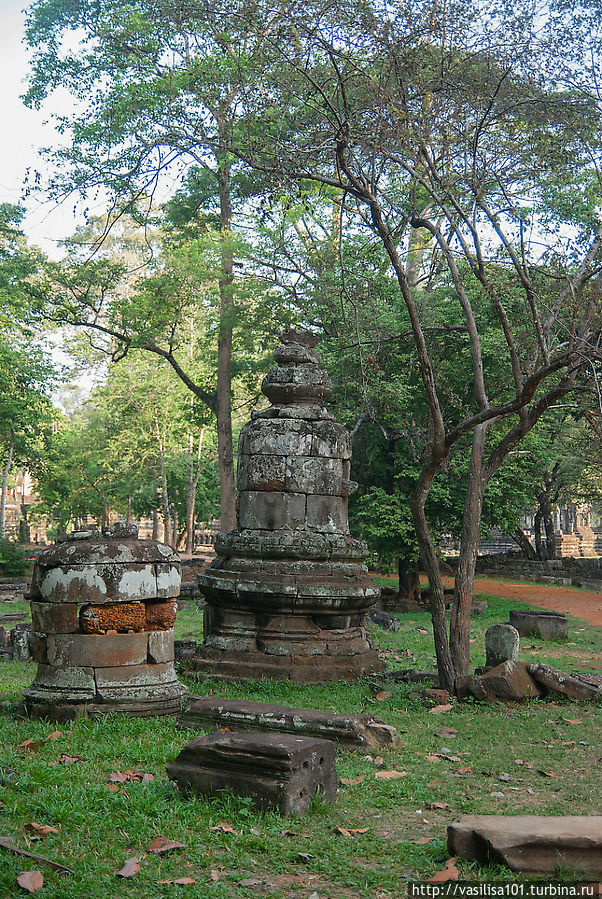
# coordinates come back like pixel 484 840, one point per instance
pixel 103 610
pixel 288 592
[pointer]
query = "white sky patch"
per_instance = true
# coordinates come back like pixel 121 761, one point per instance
pixel 24 131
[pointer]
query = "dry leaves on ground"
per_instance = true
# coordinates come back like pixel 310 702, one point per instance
pixel 130 868
pixel 436 806
pixel 224 827
pixel 31 881
pixel 382 695
pixel 449 872
pixel 121 777
pixel 348 781
pixel 390 775
pixel 40 830
pixel 438 709
pixel 180 881
pixel 351 831
pixel 161 846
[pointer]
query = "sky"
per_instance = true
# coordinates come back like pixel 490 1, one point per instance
pixel 24 131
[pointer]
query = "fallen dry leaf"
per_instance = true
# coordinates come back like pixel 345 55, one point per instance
pixel 289 833
pixel 40 830
pixel 422 630
pixel 161 845
pixel 254 831
pixel 69 759
pixel 465 769
pixel 351 831
pixel 447 731
pixel 31 881
pixel 54 735
pixel 433 758
pixel 436 805
pixel 180 881
pixel 114 788
pixel 121 777
pixel 382 695
pixel 215 874
pixel 224 827
pixel 130 868
pixel 348 781
pixel 30 745
pixel 546 773
pixel 423 841
pixel 390 775
pixel 573 720
pixel 438 709
pixel 379 760
pixel 449 872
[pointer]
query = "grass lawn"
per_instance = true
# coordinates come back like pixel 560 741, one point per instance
pixel 558 746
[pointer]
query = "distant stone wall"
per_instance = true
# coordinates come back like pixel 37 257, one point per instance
pixel 566 572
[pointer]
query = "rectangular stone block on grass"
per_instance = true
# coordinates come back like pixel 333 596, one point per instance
pixel 278 772
pixel 530 844
pixel 350 731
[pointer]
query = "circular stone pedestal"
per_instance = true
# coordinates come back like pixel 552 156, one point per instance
pixel 288 592
pixel 103 609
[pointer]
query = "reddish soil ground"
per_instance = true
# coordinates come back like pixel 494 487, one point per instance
pixel 586 604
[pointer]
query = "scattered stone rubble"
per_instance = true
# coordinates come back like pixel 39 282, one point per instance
pixel 279 772
pixel 350 731
pixel 575 686
pixel 529 844
pixel 102 610
pixel 288 593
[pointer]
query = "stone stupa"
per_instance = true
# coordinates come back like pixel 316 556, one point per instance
pixel 288 593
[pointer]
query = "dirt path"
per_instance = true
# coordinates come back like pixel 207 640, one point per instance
pixel 586 604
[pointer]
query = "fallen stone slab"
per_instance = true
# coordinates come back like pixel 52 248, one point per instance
pixel 509 682
pixel 530 844
pixel 351 731
pixel 383 619
pixel 277 771
pixel 547 625
pixel 577 686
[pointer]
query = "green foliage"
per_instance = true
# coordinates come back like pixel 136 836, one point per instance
pixel 13 561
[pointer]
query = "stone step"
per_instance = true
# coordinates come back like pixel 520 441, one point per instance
pixel 351 731
pixel 278 772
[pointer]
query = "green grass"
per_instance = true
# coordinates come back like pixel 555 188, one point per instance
pixel 99 829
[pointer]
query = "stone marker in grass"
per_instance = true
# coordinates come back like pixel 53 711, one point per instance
pixel 502 643
pixel 278 772
pixel 530 844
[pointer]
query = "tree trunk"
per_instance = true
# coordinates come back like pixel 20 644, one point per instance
pixel 469 545
pixel 167 535
pixel 155 532
pixel 174 527
pixel 193 481
pixel 539 548
pixel 523 542
pixel 409 580
pixel 224 354
pixel 5 473
pixel 428 554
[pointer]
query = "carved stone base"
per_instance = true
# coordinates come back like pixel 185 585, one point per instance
pixel 301 669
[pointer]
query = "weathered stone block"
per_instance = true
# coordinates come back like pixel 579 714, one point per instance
pixel 547 625
pixel 271 437
pixel 137 682
pixel 160 615
pixel 327 514
pixel 384 620
pixel 98 583
pixel 120 616
pixel 509 681
pixel 577 686
pixel 261 473
pixel 502 642
pixel 331 440
pixel 50 618
pixel 312 475
pixel 529 844
pixel 62 685
pixel 160 647
pixel 304 382
pixel 168 579
pixel 96 650
pixel 279 772
pixel 350 731
pixel 271 510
